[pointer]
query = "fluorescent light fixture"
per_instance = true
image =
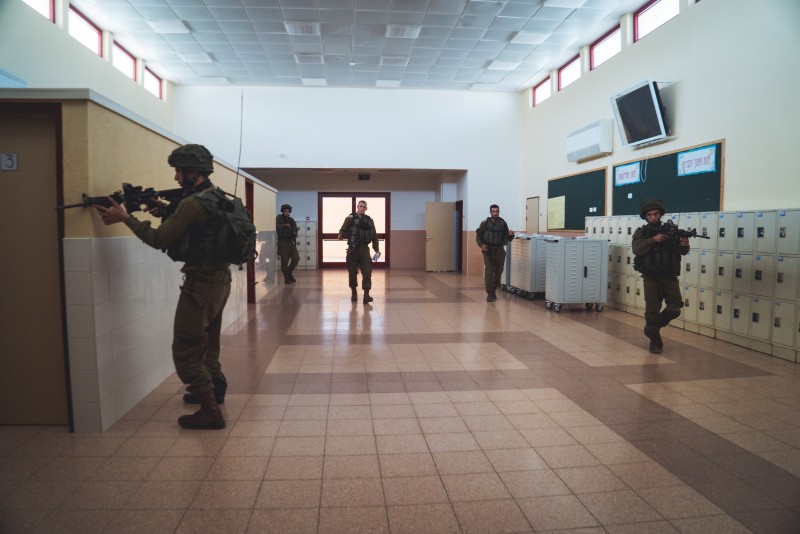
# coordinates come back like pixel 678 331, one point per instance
pixel 529 38
pixel 314 81
pixel 569 4
pixel 302 28
pixel 201 57
pixel 387 83
pixel 399 31
pixel 394 61
pixel 309 59
pixel 168 26
pixel 503 65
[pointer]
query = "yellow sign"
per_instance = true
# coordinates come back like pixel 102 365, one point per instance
pixel 555 213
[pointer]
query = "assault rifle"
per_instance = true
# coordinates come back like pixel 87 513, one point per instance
pixel 671 230
pixel 133 197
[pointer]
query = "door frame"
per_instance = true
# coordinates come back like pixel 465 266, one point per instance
pixel 386 264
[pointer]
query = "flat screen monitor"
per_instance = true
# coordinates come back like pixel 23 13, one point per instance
pixel 639 114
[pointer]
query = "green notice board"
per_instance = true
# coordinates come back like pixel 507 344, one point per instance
pixel 688 180
pixel 584 195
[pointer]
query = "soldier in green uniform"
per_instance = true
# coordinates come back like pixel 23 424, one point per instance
pixel 492 236
pixel 187 234
pixel 359 230
pixel 286 228
pixel 658 258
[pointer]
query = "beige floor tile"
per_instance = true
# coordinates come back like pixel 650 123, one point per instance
pixel 462 462
pixel 294 468
pixel 458 441
pixel 435 409
pixel 401 444
pixel 360 466
pixel 674 502
pixel 567 456
pixel 101 494
pixel 214 521
pixel 347 520
pixel 714 524
pixel 442 425
pixel 350 427
pixel 490 517
pixel 255 429
pixel 352 492
pixel 238 468
pixel 163 495
pixel 539 483
pixel 182 468
pixel 284 520
pixel 289 494
pixel 302 428
pixel 407 465
pixel 396 426
pixel 414 490
pixel 311 446
pixel 226 495
pixel 644 475
pixel 475 487
pixel 531 421
pixel 428 518
pixel 590 479
pixel 392 411
pixel 547 437
pixel 196 446
pixel 247 447
pixel 615 507
pixel 556 512
pixel 618 452
pixel 649 527
pixel 350 445
pixel 487 423
pixel 500 439
pixel 521 459
pixel 349 412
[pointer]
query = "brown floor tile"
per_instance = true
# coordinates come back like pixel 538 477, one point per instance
pixel 490 516
pixel 346 520
pixel 428 518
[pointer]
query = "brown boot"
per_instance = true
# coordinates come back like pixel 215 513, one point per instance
pixel 367 298
pixel 208 417
pixel 354 296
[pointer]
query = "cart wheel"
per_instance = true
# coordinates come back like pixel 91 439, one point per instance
pixel 548 304
pixel 598 307
pixel 530 296
pixel 557 307
pixel 589 305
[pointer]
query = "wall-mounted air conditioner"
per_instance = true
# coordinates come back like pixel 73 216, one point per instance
pixel 595 139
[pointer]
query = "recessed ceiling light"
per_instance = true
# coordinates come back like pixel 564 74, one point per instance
pixel 402 32
pixel 394 61
pixel 168 26
pixel 201 57
pixel 569 4
pixel 302 28
pixel 309 59
pixel 502 65
pixel 529 38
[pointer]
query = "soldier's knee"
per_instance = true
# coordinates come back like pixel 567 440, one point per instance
pixel 669 314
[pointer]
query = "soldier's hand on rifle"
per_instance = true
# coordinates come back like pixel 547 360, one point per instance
pixel 113 214
pixel 155 208
pixel 684 241
pixel 658 238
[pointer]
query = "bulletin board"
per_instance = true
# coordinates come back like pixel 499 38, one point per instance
pixel 687 180
pixel 572 198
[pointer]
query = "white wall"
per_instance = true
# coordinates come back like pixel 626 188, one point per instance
pixel 46 57
pixel 367 128
pixel 730 64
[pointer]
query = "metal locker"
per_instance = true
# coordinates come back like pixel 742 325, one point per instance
pixel 638 295
pixel 613 223
pixel 784 318
pixel 629 261
pixel 788 232
pixel 537 261
pixel 743 273
pixel 614 286
pixel 689 221
pixel 745 231
pixel 726 231
pixel 763 275
pixel 612 258
pixel 724 271
pixel 786 281
pixel 587 225
pixel 709 224
pixel 632 222
pixel 765 232
pixel 690 268
pixel 723 310
pixel 705 306
pixel 577 272
pixel 622 220
pixel 760 318
pixel 689 312
pixel 629 291
pixel 708 269
pixel 740 314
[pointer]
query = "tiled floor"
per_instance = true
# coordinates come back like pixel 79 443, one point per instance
pixel 431 410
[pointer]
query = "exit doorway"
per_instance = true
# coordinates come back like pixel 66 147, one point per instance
pixel 334 208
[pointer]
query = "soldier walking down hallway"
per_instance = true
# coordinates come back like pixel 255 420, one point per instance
pixel 359 230
pixel 492 236
pixel 286 228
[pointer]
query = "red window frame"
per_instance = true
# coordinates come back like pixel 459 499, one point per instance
pixel 160 94
pixel 115 45
pixel 99 30
pixel 564 66
pixel 605 36
pixel 535 87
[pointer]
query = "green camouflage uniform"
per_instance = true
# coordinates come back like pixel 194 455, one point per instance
pixel 206 287
pixel 360 232
pixel 287 248
pixel 494 234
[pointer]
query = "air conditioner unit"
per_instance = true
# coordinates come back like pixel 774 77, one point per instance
pixel 595 139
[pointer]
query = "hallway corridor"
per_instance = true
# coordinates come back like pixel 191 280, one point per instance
pixel 431 410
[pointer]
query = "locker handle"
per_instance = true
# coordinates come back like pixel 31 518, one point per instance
pixel 740 232
pixel 585 271
pixel 738 273
pixel 758 275
pixel 735 313
pixel 777 322
pixel 760 231
pixel 782 232
pixel 755 317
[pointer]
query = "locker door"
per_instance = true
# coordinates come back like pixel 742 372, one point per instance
pixel 613 223
pixel 743 273
pixel 766 229
pixel 573 261
pixel 709 224
pixel 726 231
pixel 705 306
pixel 708 271
pixel 639 295
pixel 740 314
pixel 745 231
pixel 690 271
pixel 594 282
pixel 788 232
pixel 784 315
pixel 786 273
pixel 760 318
pixel 724 271
pixel 632 222
pixel 763 275
pixel 689 221
pixel 629 270
pixel 689 312
pixel 629 291
pixel 723 310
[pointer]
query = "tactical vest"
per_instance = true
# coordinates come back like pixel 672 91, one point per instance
pixel 199 244
pixel 662 260
pixel 286 232
pixel 496 233
pixel 360 231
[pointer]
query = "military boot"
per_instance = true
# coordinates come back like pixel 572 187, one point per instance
pixel 208 417
pixel 491 296
pixel 354 295
pixel 367 298
pixel 652 331
pixel 220 388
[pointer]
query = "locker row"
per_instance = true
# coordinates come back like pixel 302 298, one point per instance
pixel 757 274
pixel 763 232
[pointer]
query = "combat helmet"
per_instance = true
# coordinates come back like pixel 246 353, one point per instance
pixel 192 157
pixel 286 207
pixel 650 204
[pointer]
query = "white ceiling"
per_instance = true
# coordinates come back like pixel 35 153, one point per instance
pixel 505 45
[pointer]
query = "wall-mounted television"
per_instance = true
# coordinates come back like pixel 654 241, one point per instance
pixel 640 115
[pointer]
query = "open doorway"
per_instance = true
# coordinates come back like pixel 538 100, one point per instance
pixel 333 208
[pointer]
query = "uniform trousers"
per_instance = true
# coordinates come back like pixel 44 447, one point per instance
pixel 657 290
pixel 494 260
pixel 359 258
pixel 287 250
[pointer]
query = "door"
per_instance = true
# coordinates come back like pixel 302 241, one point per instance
pixel 440 236
pixel 334 208
pixel 33 384
pixel 532 215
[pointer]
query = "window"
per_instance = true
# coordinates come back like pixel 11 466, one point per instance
pixel 85 31
pixel 569 72
pixel 124 61
pixel 44 7
pixel 541 92
pixel 152 82
pixel 652 15
pixel 606 47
